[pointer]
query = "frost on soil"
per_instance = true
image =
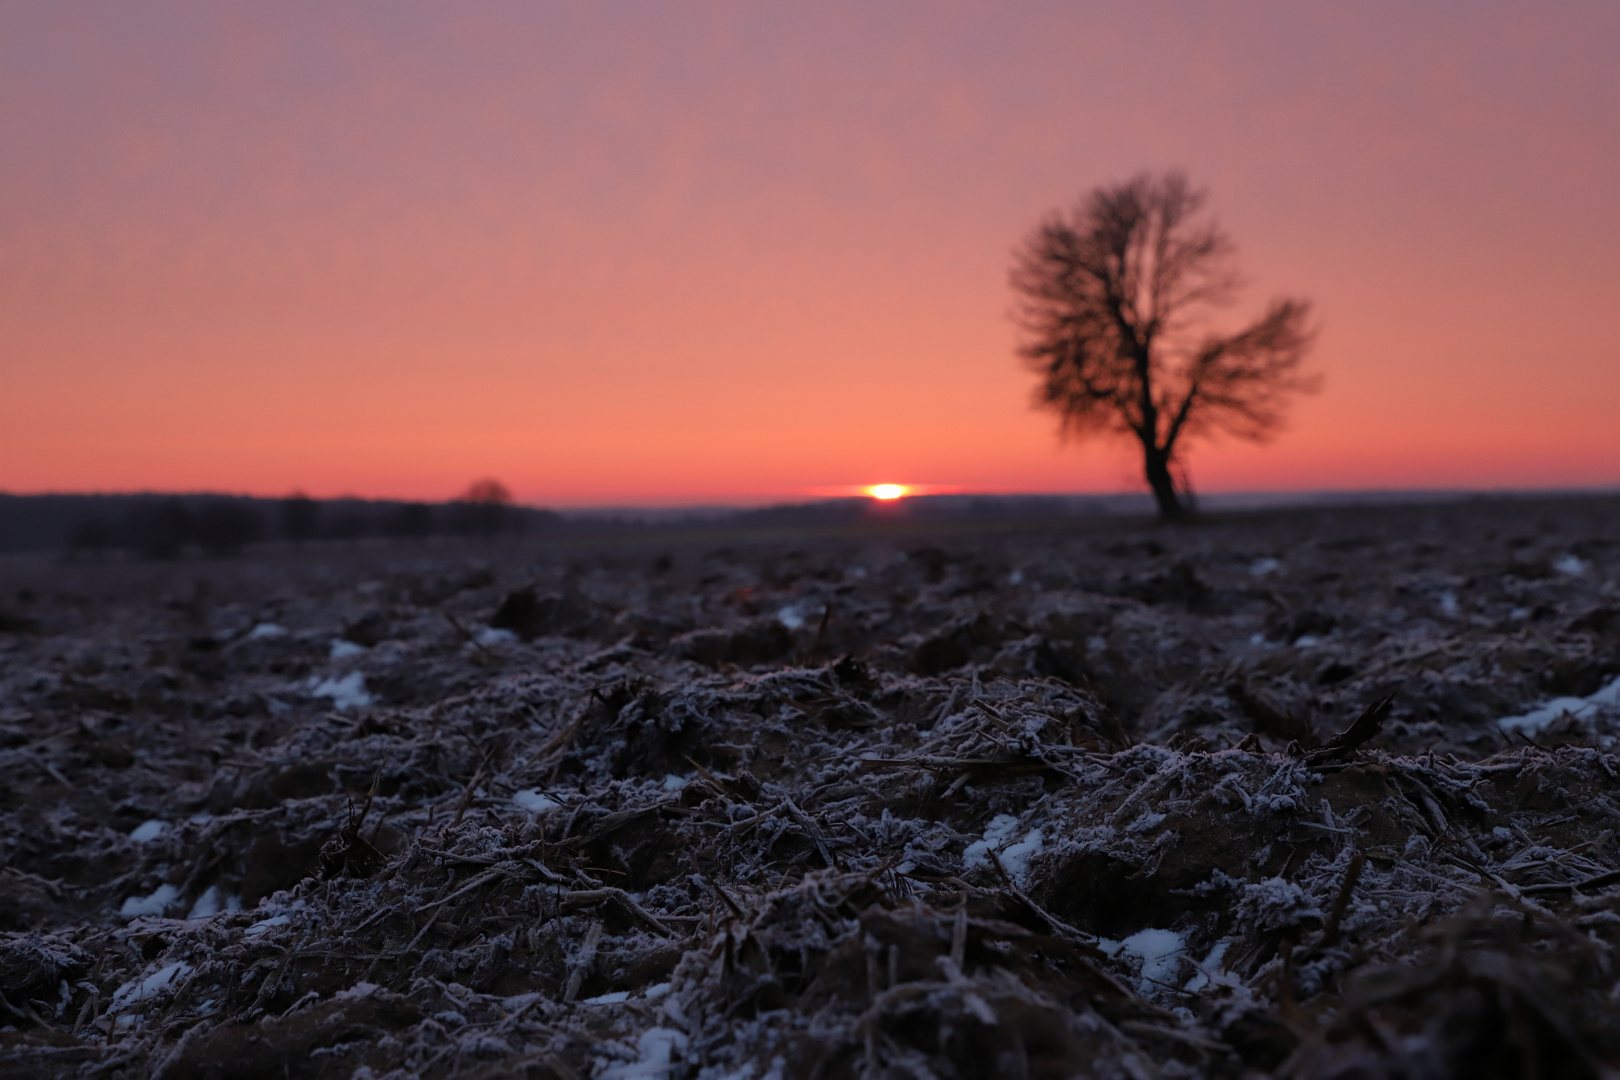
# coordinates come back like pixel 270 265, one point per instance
pixel 1043 802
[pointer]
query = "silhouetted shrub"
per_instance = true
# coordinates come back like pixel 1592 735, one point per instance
pixel 482 509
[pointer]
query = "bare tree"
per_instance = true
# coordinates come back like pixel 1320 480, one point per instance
pixel 483 508
pixel 487 492
pixel 1116 302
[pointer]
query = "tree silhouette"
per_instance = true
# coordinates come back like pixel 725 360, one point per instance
pixel 1116 301
pixel 482 508
pixel 488 491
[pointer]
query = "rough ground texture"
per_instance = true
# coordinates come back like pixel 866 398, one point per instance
pixel 1049 801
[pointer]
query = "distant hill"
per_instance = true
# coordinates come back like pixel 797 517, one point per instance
pixel 155 525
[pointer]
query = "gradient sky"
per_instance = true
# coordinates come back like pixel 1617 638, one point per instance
pixel 648 252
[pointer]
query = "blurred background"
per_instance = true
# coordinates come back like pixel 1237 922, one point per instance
pixel 722 253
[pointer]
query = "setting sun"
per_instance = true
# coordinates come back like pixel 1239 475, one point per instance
pixel 888 491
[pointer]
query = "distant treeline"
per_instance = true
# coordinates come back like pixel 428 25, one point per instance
pixel 167 526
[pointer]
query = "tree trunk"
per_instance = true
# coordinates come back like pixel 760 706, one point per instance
pixel 1164 486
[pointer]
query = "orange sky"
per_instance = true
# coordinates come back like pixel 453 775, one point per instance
pixel 618 253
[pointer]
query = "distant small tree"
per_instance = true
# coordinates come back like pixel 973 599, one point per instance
pixel 1115 301
pixel 488 491
pixel 482 508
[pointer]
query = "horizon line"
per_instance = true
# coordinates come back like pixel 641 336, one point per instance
pixel 1228 499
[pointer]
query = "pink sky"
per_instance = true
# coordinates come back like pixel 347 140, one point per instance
pixel 618 253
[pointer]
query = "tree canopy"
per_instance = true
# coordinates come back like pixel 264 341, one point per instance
pixel 1117 302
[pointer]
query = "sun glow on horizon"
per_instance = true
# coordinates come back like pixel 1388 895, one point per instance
pixel 886 492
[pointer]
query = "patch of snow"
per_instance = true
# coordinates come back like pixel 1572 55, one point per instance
pixel 364 990
pixel 1144 823
pixel 675 781
pixel 207 904
pixel 1573 565
pixel 349 692
pixel 997 833
pixel 1448 603
pixel 656 991
pixel 141 989
pixel 1579 708
pixel 1160 952
pixel 1001 829
pixel 1211 965
pixel 166 897
pixel 265 924
pixel 1096 643
pixel 792 616
pixel 1305 641
pixel 149 830
pixel 344 650
pixel 1015 578
pixel 266 630
pixel 1262 567
pixel 975 853
pixel 611 998
pixel 510 1004
pixel 1541 716
pixel 856 572
pixel 492 635
pixel 1518 613
pixel 534 801
pixel 657 1047
pixel 1014 857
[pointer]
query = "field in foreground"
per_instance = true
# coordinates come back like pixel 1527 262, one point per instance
pixel 1022 802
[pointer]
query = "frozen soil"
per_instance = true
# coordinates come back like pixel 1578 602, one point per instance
pixel 1028 801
